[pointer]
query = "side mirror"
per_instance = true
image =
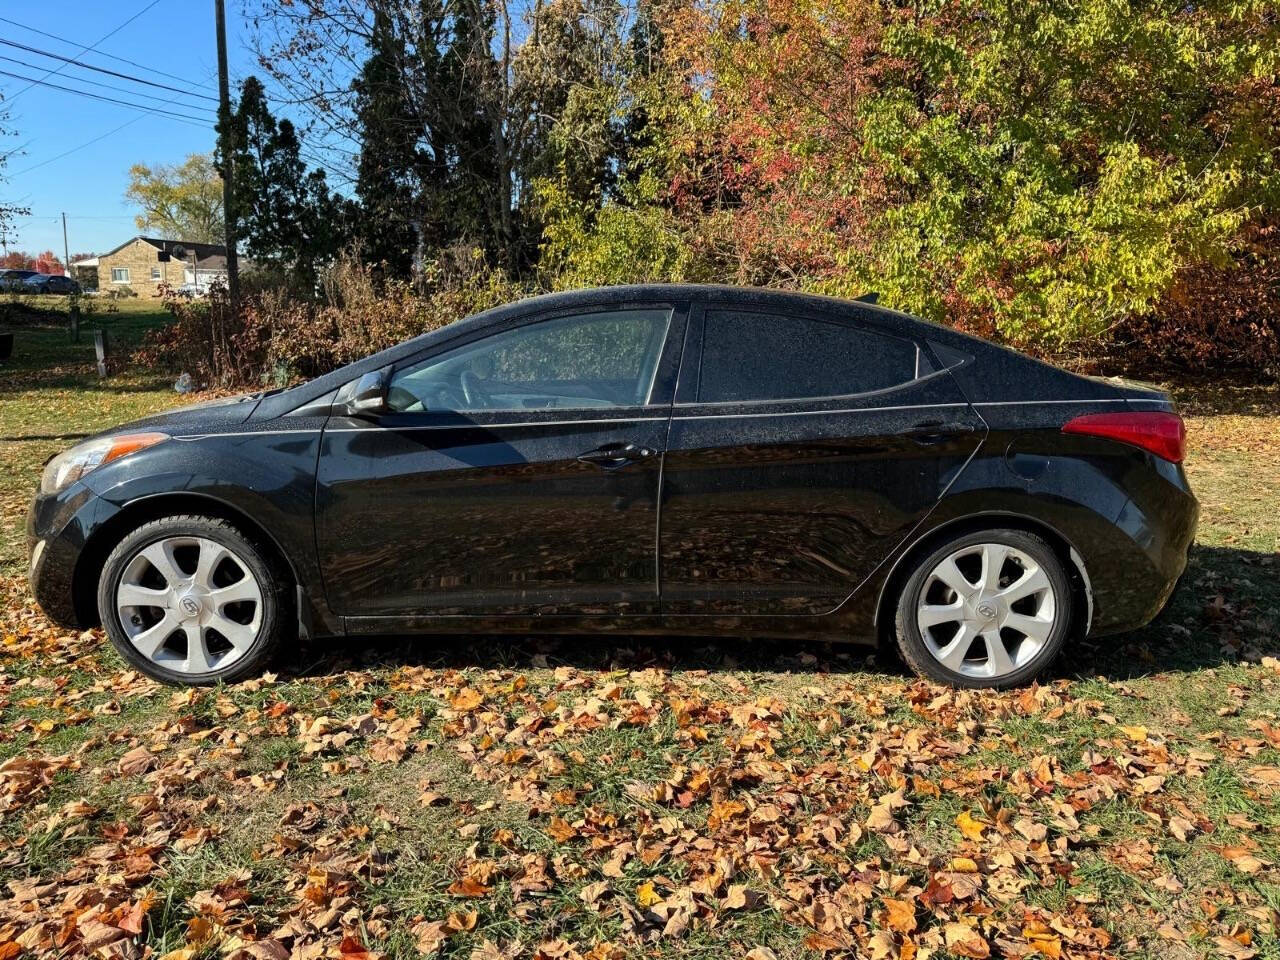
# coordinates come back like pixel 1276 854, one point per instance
pixel 366 396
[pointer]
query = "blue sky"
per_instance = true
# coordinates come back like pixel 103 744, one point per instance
pixel 89 183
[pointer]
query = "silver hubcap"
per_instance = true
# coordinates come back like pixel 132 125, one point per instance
pixel 189 604
pixel 986 610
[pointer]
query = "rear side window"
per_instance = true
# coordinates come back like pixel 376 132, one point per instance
pixel 762 356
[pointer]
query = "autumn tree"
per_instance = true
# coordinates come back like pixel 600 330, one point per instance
pixel 178 201
pixel 49 262
pixel 1027 169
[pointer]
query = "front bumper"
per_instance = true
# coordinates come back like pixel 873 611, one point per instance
pixel 58 529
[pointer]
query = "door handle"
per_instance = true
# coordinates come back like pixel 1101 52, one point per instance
pixel 614 455
pixel 935 431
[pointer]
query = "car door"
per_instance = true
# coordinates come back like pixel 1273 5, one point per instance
pixel 802 450
pixel 513 474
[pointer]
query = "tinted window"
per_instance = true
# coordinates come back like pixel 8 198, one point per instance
pixel 591 360
pixel 759 356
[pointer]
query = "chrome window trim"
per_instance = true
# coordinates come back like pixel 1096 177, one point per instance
pixel 811 413
pixel 818 399
pixel 674 416
pixel 500 426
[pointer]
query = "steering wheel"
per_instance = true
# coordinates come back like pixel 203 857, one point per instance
pixel 473 392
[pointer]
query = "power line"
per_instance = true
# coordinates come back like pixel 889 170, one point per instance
pixel 75 216
pixel 182 117
pixel 102 53
pixel 84 50
pixel 89 66
pixel 87 143
pixel 108 86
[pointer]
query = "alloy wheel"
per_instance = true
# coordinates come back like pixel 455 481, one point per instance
pixel 986 610
pixel 189 604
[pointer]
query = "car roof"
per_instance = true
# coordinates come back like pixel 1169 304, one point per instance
pixel 742 295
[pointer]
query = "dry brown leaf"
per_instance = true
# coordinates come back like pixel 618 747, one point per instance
pixel 899 915
pixel 468 887
pixel 965 941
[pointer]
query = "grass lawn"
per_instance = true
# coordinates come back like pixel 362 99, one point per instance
pixel 616 798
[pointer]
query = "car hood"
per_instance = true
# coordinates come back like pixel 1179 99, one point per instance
pixel 210 415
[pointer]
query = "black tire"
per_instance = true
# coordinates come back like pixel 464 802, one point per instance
pixel 911 644
pixel 273 621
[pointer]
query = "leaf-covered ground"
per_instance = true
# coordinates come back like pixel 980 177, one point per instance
pixel 611 798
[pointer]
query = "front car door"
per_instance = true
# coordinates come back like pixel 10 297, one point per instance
pixel 803 448
pixel 513 474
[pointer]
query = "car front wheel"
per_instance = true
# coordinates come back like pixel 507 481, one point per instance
pixel 191 600
pixel 988 609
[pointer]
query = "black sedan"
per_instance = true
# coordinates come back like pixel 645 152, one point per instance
pixel 656 459
pixel 49 283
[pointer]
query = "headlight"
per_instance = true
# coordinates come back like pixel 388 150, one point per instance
pixel 70 465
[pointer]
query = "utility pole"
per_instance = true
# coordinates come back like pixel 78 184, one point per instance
pixel 66 253
pixel 228 195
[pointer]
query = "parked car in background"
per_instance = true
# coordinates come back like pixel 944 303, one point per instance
pixel 652 459
pixel 49 283
pixel 12 281
pixel 193 290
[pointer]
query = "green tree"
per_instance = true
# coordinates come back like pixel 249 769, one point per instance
pixel 610 189
pixel 391 161
pixel 569 77
pixel 288 218
pixel 178 201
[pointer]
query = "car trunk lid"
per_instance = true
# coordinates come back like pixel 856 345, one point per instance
pixel 1132 389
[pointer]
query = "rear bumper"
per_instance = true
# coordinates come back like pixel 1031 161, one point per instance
pixel 1134 576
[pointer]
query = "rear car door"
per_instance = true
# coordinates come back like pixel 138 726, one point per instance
pixel 515 474
pixel 802 450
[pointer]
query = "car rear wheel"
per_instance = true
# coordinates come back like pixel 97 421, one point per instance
pixel 191 600
pixel 989 609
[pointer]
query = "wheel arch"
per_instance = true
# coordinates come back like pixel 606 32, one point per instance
pixel 93 556
pixel 1073 562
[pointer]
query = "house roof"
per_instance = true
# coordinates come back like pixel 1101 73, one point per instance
pixel 209 255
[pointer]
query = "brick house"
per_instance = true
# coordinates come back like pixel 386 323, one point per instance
pixel 143 263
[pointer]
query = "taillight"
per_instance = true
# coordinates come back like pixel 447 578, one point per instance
pixel 1158 432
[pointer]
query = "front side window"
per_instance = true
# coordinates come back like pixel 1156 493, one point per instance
pixel 119 274
pixel 606 359
pixel 155 273
pixel 761 356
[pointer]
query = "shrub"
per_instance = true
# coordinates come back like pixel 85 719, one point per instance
pixel 199 341
pixel 1217 317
